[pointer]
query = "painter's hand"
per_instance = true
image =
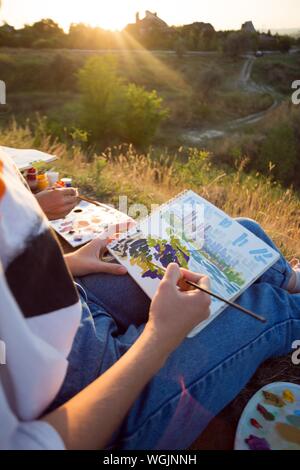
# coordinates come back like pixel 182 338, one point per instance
pixel 173 312
pixel 57 203
pixel 87 260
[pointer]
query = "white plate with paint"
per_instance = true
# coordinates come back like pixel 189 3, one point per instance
pixel 88 221
pixel 271 419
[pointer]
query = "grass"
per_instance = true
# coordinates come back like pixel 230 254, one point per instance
pixel 278 71
pixel 156 176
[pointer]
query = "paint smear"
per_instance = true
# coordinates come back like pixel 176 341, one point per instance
pixel 293 420
pixel 257 443
pixel 273 399
pixel 96 220
pixel 265 413
pixel 289 396
pixel 83 223
pixel 255 424
pixel 288 433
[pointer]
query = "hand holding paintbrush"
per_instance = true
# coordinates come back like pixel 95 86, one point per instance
pixel 183 283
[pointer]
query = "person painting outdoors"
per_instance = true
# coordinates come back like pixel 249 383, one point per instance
pixel 92 364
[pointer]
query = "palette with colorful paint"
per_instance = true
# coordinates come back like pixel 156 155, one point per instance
pixel 88 221
pixel 271 419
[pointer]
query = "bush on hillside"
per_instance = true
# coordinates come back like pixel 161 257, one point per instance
pixel 113 109
pixel 280 149
pixel 238 43
pixel 210 80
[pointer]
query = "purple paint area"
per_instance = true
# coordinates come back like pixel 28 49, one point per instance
pixel 167 254
pixel 152 275
pixel 257 443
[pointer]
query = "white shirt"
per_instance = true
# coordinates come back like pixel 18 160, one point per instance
pixel 39 316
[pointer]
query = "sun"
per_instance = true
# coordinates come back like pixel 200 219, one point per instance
pixel 107 15
pixel 112 14
pixel 106 19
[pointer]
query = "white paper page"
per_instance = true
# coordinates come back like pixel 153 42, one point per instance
pixel 24 158
pixel 195 234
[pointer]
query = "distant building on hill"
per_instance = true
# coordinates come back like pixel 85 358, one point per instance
pixel 204 28
pixel 151 22
pixel 248 27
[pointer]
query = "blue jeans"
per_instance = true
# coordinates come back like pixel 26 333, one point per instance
pixel 203 375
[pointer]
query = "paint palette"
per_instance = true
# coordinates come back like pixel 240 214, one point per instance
pixel 88 221
pixel 271 419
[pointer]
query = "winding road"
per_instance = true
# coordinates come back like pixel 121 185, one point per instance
pixel 245 83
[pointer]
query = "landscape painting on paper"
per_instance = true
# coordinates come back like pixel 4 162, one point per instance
pixel 212 244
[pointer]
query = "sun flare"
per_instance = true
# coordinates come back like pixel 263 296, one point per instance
pixel 116 14
pixel 94 14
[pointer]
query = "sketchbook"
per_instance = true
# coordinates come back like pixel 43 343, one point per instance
pixel 25 158
pixel 193 233
pixel 88 221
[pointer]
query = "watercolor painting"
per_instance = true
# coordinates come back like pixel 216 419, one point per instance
pixel 143 252
pixel 198 236
pixel 88 221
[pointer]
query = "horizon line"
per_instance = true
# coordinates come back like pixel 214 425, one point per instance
pixel 258 29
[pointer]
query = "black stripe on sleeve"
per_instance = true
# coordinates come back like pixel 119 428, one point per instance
pixel 39 278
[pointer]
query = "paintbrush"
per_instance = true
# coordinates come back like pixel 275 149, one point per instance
pixel 91 201
pixel 216 296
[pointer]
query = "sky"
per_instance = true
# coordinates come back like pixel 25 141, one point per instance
pixel 115 14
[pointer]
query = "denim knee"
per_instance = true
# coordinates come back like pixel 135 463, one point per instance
pixel 249 224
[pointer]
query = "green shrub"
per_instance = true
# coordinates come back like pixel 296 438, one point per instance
pixel 102 93
pixel 112 109
pixel 210 80
pixel 280 149
pixel 144 112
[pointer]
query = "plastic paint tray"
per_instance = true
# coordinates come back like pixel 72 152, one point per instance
pixel 281 433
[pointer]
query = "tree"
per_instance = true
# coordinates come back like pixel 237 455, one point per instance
pixel 7 35
pixel 102 97
pixel 209 39
pixel 82 36
pixel 144 113
pixel 284 43
pixel 237 44
pixel 46 32
pixel 180 47
pixel 112 109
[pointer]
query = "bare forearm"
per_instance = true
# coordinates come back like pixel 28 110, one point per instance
pixel 89 420
pixel 71 262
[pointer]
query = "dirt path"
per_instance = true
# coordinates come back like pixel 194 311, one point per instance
pixel 246 71
pixel 247 84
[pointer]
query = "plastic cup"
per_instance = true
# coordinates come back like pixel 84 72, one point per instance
pixel 53 177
